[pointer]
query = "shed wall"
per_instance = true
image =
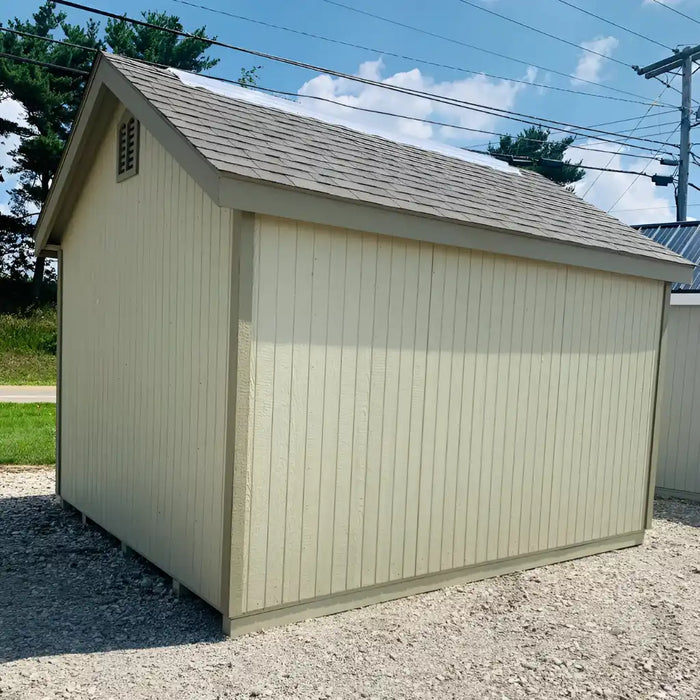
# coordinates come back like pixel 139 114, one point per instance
pixel 146 281
pixel 417 409
pixel 678 467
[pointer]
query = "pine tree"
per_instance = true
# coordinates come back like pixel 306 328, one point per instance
pixel 534 145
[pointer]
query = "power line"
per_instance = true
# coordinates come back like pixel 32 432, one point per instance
pixel 385 52
pixel 543 33
pixel 47 39
pixel 342 104
pixel 614 24
pixel 632 119
pixel 647 208
pixel 473 106
pixel 424 120
pixel 629 187
pixel 490 52
pixel 638 173
pixel 678 12
pixel 43 64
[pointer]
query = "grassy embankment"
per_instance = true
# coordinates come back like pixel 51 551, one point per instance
pixel 28 347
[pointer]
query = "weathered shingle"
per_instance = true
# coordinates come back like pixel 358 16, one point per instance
pixel 270 145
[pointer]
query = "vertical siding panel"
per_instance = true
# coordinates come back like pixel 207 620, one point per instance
pixel 389 410
pixel 376 404
pixel 368 274
pixel 569 406
pixel 430 412
pixel 470 277
pixel 537 410
pixel 632 394
pixel 347 412
pixel 418 392
pixel 404 405
pixel 512 449
pixel 555 407
pixel 299 399
pixel 284 304
pixel 451 556
pixel 442 414
pixel 484 278
pixel 587 383
pixel 317 371
pixel 499 500
pixel 687 469
pixel 521 488
pixel 331 407
pixel 265 325
pixel 491 346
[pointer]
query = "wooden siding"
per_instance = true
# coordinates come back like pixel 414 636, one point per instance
pixel 146 295
pixel 678 412
pixel 417 408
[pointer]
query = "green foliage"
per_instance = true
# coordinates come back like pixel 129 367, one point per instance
pixel 29 334
pixel 28 347
pixel 534 143
pixel 51 100
pixel 148 44
pixel 28 434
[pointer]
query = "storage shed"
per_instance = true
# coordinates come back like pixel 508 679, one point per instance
pixel 678 409
pixel 304 368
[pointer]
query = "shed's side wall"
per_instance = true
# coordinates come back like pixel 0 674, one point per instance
pixel 146 280
pixel 418 408
pixel 678 413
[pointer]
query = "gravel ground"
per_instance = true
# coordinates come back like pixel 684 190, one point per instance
pixel 80 620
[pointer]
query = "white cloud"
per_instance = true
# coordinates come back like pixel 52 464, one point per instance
pixel 478 89
pixel 643 202
pixel 590 65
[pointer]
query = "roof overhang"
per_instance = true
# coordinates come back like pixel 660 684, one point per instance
pixel 107 88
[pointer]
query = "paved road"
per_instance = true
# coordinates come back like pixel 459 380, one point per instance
pixel 27 394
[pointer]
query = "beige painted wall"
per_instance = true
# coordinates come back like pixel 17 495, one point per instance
pixel 679 404
pixel 146 280
pixel 417 408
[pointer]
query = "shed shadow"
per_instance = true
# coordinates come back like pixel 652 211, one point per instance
pixel 677 510
pixel 66 588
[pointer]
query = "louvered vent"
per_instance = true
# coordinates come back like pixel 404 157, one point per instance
pixel 127 148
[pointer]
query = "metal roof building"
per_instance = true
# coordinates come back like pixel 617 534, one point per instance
pixel 304 367
pixel 679 393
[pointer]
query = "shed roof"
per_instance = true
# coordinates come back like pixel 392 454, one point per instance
pixel 682 237
pixel 236 139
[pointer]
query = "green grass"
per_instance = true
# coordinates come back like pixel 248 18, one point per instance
pixel 27 433
pixel 28 347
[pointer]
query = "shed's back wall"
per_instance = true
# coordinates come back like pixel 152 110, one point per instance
pixel 146 279
pixel 679 404
pixel 418 408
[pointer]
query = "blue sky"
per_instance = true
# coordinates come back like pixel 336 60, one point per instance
pixel 638 199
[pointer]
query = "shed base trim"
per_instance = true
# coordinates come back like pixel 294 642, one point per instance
pixel 347 600
pixel 673 493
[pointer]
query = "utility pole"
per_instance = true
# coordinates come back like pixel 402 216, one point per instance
pixel 683 60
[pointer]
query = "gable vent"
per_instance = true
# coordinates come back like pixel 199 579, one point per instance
pixel 127 148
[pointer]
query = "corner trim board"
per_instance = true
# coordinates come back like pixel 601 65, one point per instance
pixel 659 379
pixel 340 602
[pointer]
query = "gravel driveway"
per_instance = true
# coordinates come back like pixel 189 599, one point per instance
pixel 79 620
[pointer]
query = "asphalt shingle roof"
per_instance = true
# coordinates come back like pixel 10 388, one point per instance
pixel 274 146
pixel 682 237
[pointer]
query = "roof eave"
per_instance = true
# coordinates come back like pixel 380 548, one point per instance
pixel 107 87
pixel 305 205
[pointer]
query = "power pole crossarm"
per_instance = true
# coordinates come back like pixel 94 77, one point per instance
pixel 683 60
